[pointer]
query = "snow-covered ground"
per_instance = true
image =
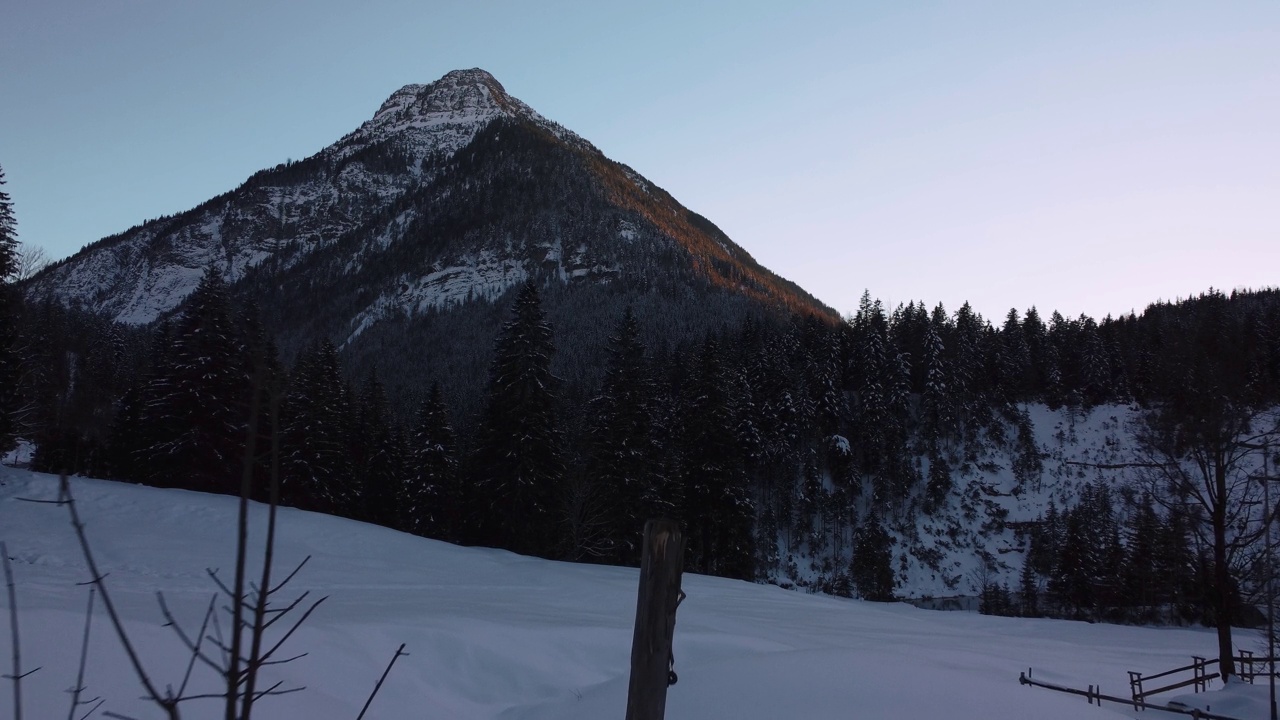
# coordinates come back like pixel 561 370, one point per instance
pixel 495 635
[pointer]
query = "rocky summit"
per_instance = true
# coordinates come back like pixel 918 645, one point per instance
pixel 400 241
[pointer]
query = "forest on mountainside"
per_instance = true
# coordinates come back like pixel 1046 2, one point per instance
pixel 770 440
pixel 796 449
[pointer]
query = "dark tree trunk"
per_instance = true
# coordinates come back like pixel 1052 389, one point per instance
pixel 1221 573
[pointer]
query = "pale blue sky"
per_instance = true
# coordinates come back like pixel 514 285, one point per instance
pixel 1087 157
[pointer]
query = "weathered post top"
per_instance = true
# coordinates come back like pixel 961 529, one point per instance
pixel 656 602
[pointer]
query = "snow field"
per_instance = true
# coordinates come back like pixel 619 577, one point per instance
pixel 495 635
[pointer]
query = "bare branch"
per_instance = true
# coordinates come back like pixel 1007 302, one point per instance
pixel 299 656
pixel 41 502
pixel 195 651
pixel 218 642
pixel 285 581
pixel 154 695
pixel 272 691
pixel 281 612
pixel 97 703
pixel 17 675
pixel 84 655
pixel 192 646
pixel 267 655
pixel 213 573
pixel 399 653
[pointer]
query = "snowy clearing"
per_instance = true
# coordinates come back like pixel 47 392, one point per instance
pixel 495 635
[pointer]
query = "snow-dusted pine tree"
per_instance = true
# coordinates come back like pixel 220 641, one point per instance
pixel 519 466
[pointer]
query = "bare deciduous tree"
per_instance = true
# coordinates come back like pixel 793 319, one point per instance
pixel 31 261
pixel 1201 461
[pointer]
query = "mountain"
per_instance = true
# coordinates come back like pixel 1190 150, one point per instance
pixel 449 196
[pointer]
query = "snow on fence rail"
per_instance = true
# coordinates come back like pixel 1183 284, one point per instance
pixel 1200 676
pixel 1094 696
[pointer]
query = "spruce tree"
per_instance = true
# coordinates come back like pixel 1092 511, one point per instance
pixel 939 483
pixel 132 430
pixel 1095 368
pixel 718 511
pixel 9 302
pixel 821 376
pixel 1014 360
pixel 315 416
pixel 872 564
pixel 937 413
pixel 1037 337
pixel 8 234
pixel 431 498
pixel 519 466
pixel 622 471
pixel 1070 584
pixel 375 449
pixel 966 365
pixel 196 398
pixel 1046 541
pixel 1142 582
pixel 1029 590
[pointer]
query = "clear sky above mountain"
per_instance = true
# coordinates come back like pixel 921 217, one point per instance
pixel 1087 157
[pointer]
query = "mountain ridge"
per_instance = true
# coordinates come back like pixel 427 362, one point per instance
pixel 279 216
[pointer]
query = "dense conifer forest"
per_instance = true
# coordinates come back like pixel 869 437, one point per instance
pixel 798 449
pixel 772 438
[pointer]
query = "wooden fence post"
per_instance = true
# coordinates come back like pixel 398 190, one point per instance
pixel 1135 688
pixel 659 593
pixel 1246 666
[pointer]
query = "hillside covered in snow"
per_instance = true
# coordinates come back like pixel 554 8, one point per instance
pixel 496 635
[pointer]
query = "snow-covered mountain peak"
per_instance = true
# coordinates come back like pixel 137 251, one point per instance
pixel 386 185
pixel 459 95
pixel 444 115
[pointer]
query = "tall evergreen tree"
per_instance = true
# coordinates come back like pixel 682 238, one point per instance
pixel 937 411
pixel 1013 360
pixel 1046 541
pixel 872 565
pixel 718 507
pixel 519 462
pixel 9 301
pixel 623 488
pixel 1095 368
pixel 1037 337
pixel 1029 590
pixel 967 372
pixel 432 497
pixel 1144 586
pixel 314 423
pixel 939 484
pixel 375 448
pixel 196 398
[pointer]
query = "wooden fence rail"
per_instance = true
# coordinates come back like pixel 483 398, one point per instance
pixel 1200 676
pixel 1094 696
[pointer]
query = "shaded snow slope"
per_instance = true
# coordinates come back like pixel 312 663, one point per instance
pixel 496 635
pixel 286 213
pixel 984 520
